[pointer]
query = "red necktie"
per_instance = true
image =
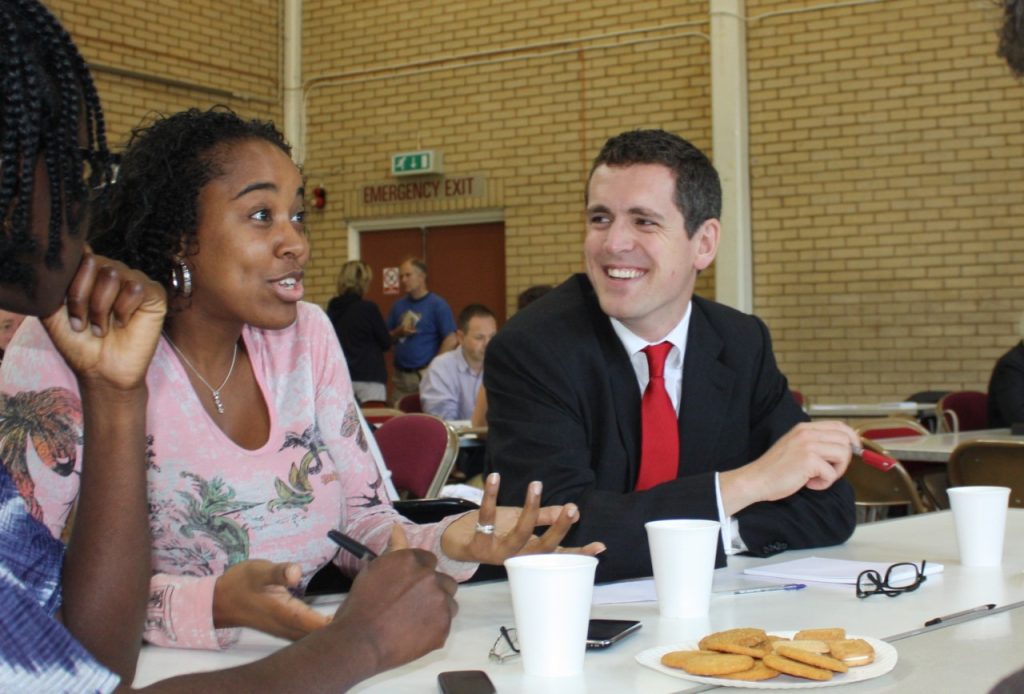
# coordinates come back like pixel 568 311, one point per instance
pixel 659 440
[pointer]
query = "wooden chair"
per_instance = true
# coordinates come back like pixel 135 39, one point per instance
pixel 962 410
pixel 410 403
pixel 420 450
pixel 876 491
pixel 996 463
pixel 933 484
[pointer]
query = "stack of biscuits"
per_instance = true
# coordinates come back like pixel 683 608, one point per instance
pixel 753 655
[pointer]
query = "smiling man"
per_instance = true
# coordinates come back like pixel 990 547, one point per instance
pixel 628 395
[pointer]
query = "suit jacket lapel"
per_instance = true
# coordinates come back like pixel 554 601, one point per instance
pixel 707 388
pixel 622 382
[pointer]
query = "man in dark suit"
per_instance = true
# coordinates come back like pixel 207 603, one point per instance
pixel 565 380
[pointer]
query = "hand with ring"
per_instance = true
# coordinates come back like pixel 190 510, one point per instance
pixel 494 533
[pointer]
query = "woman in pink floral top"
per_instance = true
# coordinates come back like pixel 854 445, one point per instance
pixel 254 448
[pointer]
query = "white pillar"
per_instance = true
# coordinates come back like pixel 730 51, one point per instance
pixel 294 114
pixel 730 141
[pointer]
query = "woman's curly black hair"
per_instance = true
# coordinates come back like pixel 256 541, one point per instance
pixel 49 109
pixel 149 219
pixel 1011 36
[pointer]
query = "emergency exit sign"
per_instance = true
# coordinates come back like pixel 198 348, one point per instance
pixel 416 163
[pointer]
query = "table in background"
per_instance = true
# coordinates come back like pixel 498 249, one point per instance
pixel 945 660
pixel 936 448
pixel 869 410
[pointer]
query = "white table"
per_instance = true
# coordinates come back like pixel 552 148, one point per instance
pixel 936 661
pixel 868 410
pixel 936 448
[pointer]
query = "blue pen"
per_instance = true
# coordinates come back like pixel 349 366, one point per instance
pixel 769 589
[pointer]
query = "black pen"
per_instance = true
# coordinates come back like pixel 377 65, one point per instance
pixel 958 615
pixel 356 549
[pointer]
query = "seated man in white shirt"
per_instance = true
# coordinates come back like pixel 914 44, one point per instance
pixel 453 379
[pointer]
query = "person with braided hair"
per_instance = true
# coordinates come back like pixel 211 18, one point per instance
pixel 104 320
pixel 72 620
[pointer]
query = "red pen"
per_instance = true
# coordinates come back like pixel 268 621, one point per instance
pixel 875 460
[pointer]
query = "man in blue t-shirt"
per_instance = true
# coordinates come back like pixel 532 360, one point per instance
pixel 421 325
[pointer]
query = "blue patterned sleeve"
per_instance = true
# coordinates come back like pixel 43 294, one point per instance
pixel 37 654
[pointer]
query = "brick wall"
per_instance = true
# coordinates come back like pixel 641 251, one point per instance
pixel 887 145
pixel 156 56
pixel 887 168
pixel 522 93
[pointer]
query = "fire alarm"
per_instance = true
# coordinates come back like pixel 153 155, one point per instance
pixel 319 198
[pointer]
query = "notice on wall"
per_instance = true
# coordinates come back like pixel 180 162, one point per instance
pixel 390 276
pixel 426 189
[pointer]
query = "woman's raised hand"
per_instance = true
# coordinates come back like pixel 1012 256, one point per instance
pixel 494 533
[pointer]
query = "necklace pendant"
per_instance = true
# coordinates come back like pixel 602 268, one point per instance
pixel 217 402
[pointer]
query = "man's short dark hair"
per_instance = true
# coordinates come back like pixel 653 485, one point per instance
pixel 474 311
pixel 698 189
pixel 1011 36
pixel 531 294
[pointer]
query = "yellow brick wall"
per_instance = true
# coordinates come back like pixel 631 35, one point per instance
pixel 887 168
pixel 157 56
pixel 522 93
pixel 887 145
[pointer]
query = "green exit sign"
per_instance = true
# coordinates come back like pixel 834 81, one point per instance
pixel 416 163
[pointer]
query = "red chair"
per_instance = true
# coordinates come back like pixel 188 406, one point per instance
pixel 963 410
pixel 891 428
pixel 800 399
pixel 410 403
pixel 420 450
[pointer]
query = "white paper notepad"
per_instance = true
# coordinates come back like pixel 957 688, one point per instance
pixel 823 570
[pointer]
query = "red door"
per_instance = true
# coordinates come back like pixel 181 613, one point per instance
pixel 465 263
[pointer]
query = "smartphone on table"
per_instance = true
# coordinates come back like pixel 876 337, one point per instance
pixel 602 633
pixel 465 682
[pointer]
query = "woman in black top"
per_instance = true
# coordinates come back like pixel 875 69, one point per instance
pixel 360 327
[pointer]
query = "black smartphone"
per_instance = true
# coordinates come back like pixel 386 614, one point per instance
pixel 465 682
pixel 604 632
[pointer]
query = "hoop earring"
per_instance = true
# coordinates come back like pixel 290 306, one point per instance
pixel 181 280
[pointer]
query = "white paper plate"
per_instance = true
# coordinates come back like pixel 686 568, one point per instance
pixel 885 660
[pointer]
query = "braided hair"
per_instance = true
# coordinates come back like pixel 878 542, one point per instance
pixel 49 105
pixel 150 218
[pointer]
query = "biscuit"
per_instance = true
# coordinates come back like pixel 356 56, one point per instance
pixel 853 652
pixel 833 634
pixel 812 645
pixel 758 673
pixel 808 658
pixel 716 664
pixel 796 669
pixel 743 641
pixel 676 658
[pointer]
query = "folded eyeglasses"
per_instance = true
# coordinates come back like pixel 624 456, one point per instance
pixel 899 578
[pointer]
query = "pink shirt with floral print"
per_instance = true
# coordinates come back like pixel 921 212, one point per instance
pixel 213 503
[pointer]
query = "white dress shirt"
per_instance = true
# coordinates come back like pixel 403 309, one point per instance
pixel 635 345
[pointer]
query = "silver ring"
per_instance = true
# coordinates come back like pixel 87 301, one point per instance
pixel 485 529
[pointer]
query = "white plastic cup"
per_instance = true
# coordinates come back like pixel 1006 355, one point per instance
pixel 979 514
pixel 683 555
pixel 551 596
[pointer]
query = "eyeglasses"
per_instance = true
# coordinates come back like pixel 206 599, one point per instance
pixel 899 578
pixel 506 647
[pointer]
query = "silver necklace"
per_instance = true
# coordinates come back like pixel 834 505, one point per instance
pixel 215 392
